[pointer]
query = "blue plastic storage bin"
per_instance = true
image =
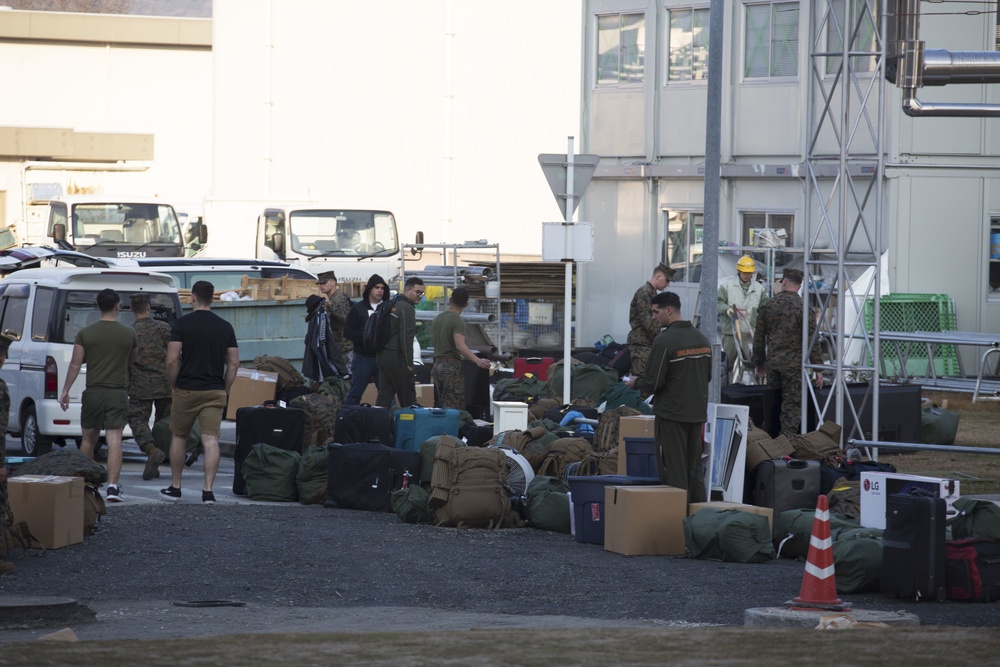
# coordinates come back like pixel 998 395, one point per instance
pixel 640 457
pixel 588 502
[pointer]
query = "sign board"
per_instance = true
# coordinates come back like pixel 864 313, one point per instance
pixel 567 241
pixel 554 168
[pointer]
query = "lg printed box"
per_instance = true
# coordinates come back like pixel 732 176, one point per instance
pixel 51 506
pixel 640 426
pixel 251 387
pixel 644 520
pixel 876 486
pixel 765 512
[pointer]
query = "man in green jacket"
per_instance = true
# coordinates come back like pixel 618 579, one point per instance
pixel 395 360
pixel 677 374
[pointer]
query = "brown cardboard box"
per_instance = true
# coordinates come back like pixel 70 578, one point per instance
pixel 51 506
pixel 251 387
pixel 766 512
pixel 644 520
pixel 640 426
pixel 425 395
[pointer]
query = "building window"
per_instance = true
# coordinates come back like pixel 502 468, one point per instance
pixel 993 258
pixel 683 244
pixel 754 222
pixel 688 45
pixel 861 30
pixel 621 48
pixel 771 38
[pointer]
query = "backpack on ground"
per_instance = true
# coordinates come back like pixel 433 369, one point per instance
pixel 608 427
pixel 972 570
pixel 270 473
pixel 321 418
pixel 378 326
pixel 288 375
pixel 595 463
pixel 469 486
pixel 561 453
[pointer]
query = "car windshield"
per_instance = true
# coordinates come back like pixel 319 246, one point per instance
pixel 79 309
pixel 324 232
pixel 134 224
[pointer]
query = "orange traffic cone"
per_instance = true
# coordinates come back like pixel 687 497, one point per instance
pixel 819 584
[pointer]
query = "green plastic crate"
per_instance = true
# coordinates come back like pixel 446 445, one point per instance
pixel 915 312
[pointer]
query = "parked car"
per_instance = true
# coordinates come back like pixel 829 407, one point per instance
pixel 224 274
pixel 42 310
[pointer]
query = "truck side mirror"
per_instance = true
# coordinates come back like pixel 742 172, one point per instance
pixel 279 243
pixel 58 232
pixel 202 234
pixel 419 240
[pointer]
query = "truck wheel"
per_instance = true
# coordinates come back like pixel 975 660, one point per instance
pixel 33 443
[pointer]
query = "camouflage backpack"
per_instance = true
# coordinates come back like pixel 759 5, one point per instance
pixel 469 486
pixel 66 462
pixel 321 418
pixel 561 453
pixel 607 433
pixel 288 376
pixel 595 463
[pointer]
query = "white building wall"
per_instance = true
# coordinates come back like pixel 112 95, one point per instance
pixel 435 110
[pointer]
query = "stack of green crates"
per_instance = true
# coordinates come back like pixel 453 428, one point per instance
pixel 915 312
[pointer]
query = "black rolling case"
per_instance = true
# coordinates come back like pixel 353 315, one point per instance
pixel 362 476
pixel 363 423
pixel 765 409
pixel 280 427
pixel 913 561
pixel 786 485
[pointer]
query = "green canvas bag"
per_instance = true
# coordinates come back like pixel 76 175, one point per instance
pixel 270 473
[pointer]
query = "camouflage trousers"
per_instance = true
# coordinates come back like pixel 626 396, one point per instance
pixel 788 383
pixel 449 383
pixel 640 355
pixel 139 411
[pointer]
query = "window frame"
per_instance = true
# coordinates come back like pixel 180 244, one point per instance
pixel 833 62
pixel 695 10
pixel 992 263
pixel 770 76
pixel 746 237
pixel 640 53
pixel 693 222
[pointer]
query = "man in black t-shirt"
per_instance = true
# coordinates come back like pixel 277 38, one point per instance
pixel 202 358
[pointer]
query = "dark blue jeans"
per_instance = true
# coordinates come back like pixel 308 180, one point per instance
pixel 363 370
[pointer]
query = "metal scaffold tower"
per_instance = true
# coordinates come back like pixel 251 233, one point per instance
pixel 845 241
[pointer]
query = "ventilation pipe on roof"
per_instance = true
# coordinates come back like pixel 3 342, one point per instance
pixel 910 65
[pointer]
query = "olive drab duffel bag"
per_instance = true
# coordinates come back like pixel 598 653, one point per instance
pixel 270 473
pixel 728 535
pixel 469 486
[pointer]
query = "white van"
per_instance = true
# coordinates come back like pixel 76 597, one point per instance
pixel 43 309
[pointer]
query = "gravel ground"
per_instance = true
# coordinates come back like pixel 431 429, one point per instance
pixel 308 568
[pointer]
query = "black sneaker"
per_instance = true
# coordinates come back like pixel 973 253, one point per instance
pixel 171 494
pixel 207 497
pixel 114 494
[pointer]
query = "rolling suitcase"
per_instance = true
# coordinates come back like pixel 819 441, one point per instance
pixel 363 423
pixel 538 366
pixel 413 425
pixel 280 427
pixel 786 485
pixel 913 549
pixel 362 476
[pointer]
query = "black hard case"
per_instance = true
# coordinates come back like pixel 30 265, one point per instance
pixel 913 562
pixel 280 427
pixel 363 423
pixel 362 476
pixel 786 485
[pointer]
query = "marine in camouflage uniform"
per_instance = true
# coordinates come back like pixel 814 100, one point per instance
pixel 640 318
pixel 777 348
pixel 4 415
pixel 338 305
pixel 448 336
pixel 149 387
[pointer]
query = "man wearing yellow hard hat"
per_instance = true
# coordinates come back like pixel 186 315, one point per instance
pixel 739 299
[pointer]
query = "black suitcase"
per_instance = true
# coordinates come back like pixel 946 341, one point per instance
pixel 913 561
pixel 786 485
pixel 363 423
pixel 362 476
pixel 280 427
pixel 765 409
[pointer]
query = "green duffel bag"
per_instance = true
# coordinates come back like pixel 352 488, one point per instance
pixel 427 450
pixel 270 473
pixel 938 426
pixel 310 480
pixel 544 483
pixel 701 534
pixel 745 537
pixel 857 559
pixel 976 518
pixel 793 529
pixel 162 436
pixel 410 504
pixel 547 504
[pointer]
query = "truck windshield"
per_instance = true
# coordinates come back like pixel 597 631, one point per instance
pixel 118 223
pixel 321 232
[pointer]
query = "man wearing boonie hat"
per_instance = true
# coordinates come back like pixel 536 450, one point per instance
pixel 640 317
pixel 777 349
pixel 338 305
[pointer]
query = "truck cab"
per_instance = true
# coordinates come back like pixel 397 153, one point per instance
pixel 115 227
pixel 353 242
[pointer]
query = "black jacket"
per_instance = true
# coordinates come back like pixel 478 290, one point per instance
pixel 354 325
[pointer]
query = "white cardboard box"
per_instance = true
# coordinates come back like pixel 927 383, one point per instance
pixel 876 487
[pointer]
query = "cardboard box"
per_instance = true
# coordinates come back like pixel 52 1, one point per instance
pixel 765 512
pixel 876 486
pixel 640 426
pixel 644 520
pixel 425 395
pixel 251 387
pixel 51 506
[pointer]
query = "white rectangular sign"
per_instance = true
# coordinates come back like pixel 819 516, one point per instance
pixel 561 241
